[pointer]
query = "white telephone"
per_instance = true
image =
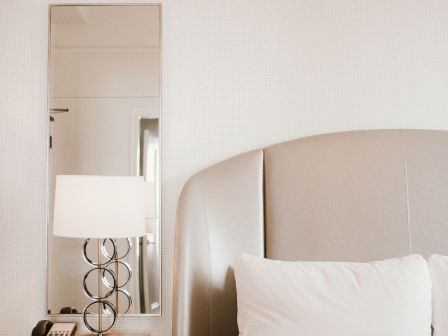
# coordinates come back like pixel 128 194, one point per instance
pixel 62 329
pixel 47 328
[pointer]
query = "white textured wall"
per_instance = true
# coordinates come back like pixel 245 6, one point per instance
pixel 237 74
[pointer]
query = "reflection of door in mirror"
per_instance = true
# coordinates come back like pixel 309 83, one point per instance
pixel 104 101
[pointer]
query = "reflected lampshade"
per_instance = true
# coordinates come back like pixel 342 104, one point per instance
pixel 151 210
pixel 150 202
pixel 99 206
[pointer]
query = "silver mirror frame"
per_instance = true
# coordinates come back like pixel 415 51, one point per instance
pixel 48 133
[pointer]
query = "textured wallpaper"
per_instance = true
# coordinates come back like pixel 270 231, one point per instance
pixel 237 75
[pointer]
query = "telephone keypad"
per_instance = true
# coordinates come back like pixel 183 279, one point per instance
pixel 62 329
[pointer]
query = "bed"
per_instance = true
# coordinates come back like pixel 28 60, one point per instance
pixel 350 196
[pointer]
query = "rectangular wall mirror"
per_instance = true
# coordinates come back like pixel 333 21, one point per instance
pixel 104 116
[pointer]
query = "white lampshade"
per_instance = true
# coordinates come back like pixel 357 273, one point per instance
pixel 99 206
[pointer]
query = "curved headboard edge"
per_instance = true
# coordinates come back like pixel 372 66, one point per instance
pixel 219 216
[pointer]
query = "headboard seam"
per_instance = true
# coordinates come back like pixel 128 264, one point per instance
pixel 405 170
pixel 263 188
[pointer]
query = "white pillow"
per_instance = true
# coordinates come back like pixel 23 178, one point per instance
pixel 438 268
pixel 384 298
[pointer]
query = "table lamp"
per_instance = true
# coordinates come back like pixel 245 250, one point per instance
pixel 105 208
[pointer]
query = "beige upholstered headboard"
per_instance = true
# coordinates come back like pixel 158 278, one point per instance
pixel 352 196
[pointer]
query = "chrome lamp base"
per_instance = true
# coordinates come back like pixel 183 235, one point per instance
pixel 109 278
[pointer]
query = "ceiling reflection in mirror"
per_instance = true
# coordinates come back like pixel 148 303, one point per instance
pixel 104 114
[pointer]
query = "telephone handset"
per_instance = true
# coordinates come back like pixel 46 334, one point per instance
pixel 47 328
pixel 42 328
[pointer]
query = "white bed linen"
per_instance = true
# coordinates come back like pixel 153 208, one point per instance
pixel 438 268
pixel 384 298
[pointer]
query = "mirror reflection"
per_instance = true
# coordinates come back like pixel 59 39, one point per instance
pixel 104 112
